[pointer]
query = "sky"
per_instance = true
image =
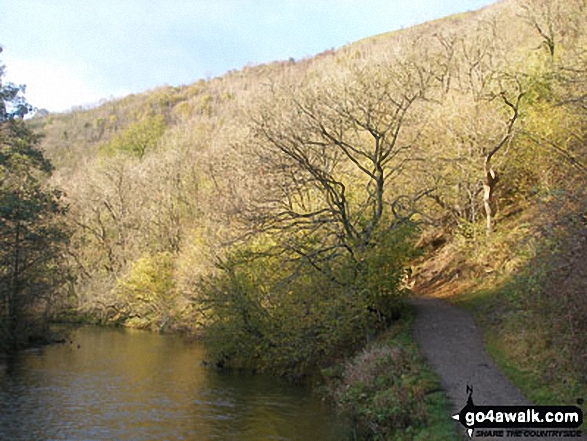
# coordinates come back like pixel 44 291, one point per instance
pixel 76 52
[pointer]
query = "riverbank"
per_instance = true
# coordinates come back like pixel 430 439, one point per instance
pixel 387 390
pixel 125 384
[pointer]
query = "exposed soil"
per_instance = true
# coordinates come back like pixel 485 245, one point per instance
pixel 454 347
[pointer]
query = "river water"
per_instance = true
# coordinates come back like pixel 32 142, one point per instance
pixel 118 384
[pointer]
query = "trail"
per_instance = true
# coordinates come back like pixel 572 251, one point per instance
pixel 453 345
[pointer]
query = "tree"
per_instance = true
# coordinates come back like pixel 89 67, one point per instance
pixel 12 102
pixel 328 217
pixel 149 292
pixel 335 153
pixel 139 137
pixel 31 233
pixel 554 21
pixel 476 124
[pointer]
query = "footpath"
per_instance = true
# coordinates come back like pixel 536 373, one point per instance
pixel 453 345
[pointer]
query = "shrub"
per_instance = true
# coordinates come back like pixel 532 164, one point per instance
pixel 148 292
pixel 387 392
pixel 269 313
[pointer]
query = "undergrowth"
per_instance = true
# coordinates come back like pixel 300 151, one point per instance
pixel 387 391
pixel 534 319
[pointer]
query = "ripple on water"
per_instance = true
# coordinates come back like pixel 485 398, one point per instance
pixel 132 386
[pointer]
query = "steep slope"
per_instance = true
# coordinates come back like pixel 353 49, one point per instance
pixel 281 203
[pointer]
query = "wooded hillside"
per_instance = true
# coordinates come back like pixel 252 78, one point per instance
pixel 280 206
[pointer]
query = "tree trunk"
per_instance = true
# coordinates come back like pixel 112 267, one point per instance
pixel 491 178
pixel 489 183
pixel 14 294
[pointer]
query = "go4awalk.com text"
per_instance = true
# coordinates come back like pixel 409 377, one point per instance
pixel 520 421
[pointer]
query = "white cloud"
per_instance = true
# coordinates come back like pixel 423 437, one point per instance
pixel 51 86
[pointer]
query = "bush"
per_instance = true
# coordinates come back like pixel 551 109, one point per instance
pixel 378 393
pixel 381 269
pixel 138 138
pixel 269 313
pixel 388 393
pixel 549 298
pixel 148 292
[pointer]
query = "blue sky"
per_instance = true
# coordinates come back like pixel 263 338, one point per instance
pixel 75 52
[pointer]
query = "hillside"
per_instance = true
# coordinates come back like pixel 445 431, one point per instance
pixel 288 208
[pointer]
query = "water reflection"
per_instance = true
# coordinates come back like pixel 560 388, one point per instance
pixel 132 385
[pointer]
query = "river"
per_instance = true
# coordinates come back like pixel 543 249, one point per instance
pixel 119 384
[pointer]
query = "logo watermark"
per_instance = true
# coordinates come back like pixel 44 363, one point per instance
pixel 520 421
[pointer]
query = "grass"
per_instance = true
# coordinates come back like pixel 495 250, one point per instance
pixel 389 393
pixel 533 319
pixel 520 339
pixel 526 288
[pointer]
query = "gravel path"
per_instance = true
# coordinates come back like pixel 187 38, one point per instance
pixel 453 345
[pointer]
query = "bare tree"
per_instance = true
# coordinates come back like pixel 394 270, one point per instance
pixel 491 177
pixel 477 120
pixel 554 21
pixel 330 159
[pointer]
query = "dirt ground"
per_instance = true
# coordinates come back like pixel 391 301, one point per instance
pixel 454 347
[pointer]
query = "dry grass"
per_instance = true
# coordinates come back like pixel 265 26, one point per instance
pixel 527 287
pixel 389 393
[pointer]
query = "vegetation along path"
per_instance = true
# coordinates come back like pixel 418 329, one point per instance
pixel 453 345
